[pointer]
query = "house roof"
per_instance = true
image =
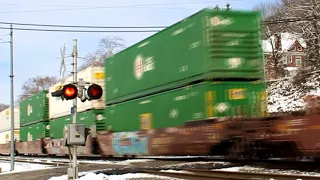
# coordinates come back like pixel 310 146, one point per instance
pixel 287 40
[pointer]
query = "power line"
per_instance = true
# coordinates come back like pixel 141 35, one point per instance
pixel 79 26
pixel 141 27
pixel 111 7
pixel 83 31
pixel 162 4
pixel 266 22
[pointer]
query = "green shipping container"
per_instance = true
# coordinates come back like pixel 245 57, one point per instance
pixel 207 45
pixel 88 118
pixel 197 102
pixel 34 131
pixel 34 109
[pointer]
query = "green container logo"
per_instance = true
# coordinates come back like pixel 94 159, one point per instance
pixel 29 111
pixel 234 62
pixel 219 21
pixel 142 65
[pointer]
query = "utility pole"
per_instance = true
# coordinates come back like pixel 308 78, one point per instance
pixel 12 99
pixel 74 121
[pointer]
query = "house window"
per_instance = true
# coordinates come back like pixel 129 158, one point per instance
pixel 284 60
pixel 299 48
pixel 298 61
pixel 289 59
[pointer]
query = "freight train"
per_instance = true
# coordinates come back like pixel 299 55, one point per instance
pixel 194 88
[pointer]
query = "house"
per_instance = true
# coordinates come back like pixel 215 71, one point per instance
pixel 287 48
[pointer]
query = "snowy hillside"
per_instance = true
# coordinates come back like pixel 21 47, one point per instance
pixel 283 96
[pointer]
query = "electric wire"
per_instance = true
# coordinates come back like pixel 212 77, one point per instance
pixel 152 28
pixel 82 26
pixel 114 7
pixel 81 31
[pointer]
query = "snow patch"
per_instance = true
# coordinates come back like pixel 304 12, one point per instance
pixel 283 96
pixel 175 171
pixel 21 167
pixel 91 176
pixel 271 171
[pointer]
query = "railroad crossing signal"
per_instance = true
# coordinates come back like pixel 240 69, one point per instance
pixel 70 91
pixel 94 92
pixel 67 92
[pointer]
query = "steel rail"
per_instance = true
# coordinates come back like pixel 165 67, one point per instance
pixel 200 174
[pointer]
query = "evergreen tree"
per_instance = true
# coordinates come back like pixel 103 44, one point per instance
pixel 228 7
pixel 217 8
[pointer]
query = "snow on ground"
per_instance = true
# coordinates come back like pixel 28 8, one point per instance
pixel 20 167
pixel 125 162
pixel 271 171
pixel 91 176
pixel 283 96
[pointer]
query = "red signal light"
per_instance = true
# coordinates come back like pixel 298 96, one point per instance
pixel 70 91
pixel 94 91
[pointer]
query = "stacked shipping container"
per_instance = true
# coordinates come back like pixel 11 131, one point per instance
pixel 144 83
pixel 34 117
pixel 207 45
pixel 5 121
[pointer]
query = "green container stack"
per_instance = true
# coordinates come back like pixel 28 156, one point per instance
pixel 87 118
pixel 207 45
pixel 34 117
pixel 144 81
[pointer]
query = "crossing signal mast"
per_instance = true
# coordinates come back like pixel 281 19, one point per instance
pixel 75 133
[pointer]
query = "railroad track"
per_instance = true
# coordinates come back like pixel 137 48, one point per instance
pixel 200 174
pixel 268 164
pixel 42 161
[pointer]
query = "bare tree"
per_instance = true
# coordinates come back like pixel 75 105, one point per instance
pixel 35 85
pixel 3 106
pixel 108 46
pixel 273 34
pixel 309 29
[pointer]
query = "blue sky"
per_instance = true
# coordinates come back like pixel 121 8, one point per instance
pixel 37 53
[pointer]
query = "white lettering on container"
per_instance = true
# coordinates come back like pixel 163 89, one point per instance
pixel 194 44
pixel 180 98
pixel 145 102
pixel 198 115
pixel 144 44
pixel 176 32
